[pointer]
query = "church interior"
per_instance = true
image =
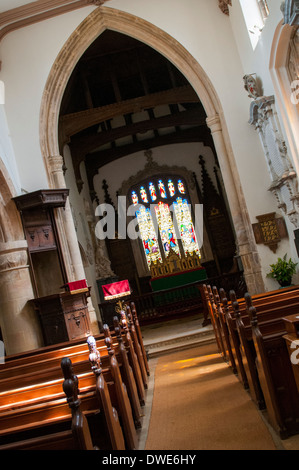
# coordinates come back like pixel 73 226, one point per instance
pixel 149 225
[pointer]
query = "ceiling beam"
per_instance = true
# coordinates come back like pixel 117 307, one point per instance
pixel 82 145
pixel 34 12
pixel 196 134
pixel 73 123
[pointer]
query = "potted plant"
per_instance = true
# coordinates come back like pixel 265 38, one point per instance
pixel 283 271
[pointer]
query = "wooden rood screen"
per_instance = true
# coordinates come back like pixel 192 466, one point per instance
pixel 77 395
pixel 251 337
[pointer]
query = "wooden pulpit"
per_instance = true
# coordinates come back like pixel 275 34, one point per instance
pixel 64 317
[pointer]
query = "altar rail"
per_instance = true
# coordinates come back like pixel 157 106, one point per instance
pixel 174 302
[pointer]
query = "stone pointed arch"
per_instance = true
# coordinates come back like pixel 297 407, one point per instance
pixel 95 24
pixel 92 26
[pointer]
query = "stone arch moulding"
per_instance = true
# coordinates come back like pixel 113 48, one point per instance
pixel 92 26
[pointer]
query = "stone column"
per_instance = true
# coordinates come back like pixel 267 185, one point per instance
pixel 244 239
pixel 19 323
pixel 68 236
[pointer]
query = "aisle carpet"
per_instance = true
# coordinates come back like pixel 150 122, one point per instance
pixel 199 404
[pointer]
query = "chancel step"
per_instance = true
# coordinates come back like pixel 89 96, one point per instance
pixel 166 344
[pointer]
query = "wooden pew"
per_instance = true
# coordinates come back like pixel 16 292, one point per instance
pixel 261 358
pixel 221 314
pixel 234 340
pixel 247 354
pixel 125 409
pixel 292 341
pixel 207 299
pixel 78 437
pixel 42 394
pixel 139 335
pixel 45 362
pixel 275 375
pixel 133 360
pixel 130 384
pixel 265 307
pixel 111 415
pixel 137 347
pixel 49 410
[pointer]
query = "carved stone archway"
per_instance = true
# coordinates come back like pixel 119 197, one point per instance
pixel 97 22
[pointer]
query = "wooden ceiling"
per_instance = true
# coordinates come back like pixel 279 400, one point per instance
pixel 124 97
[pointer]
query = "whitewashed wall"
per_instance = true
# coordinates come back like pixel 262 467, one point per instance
pixel 7 154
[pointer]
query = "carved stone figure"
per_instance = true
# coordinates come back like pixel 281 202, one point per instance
pixel 252 86
pixel 103 264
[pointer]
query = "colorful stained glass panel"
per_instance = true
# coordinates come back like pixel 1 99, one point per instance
pixel 181 187
pixel 134 198
pixel 148 235
pixel 162 189
pixel 153 193
pixel 185 225
pixel 171 188
pixel 166 228
pixel 143 194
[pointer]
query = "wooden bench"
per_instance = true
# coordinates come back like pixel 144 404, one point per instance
pixel 255 367
pixel 240 324
pixel 225 326
pixel 49 410
pixel 276 375
pixel 41 386
pixel 78 437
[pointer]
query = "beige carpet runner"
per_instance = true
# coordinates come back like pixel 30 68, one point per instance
pixel 199 404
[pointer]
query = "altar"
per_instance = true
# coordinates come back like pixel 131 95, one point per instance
pixel 176 271
pixel 178 279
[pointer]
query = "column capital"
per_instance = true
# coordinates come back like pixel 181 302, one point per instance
pixel 214 123
pixel 13 256
pixel 56 170
pixel 55 163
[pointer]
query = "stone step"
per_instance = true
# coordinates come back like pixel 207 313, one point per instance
pixel 172 344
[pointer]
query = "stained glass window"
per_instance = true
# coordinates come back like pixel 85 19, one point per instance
pixel 169 198
pixel 166 228
pixel 143 194
pixel 162 189
pixel 152 192
pixel 181 187
pixel 148 235
pixel 185 225
pixel 171 188
pixel 134 198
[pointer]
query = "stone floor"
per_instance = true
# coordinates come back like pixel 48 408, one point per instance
pixel 165 337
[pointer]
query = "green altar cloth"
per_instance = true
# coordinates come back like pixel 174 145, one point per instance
pixel 178 279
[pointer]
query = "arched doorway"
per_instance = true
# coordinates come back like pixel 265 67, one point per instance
pixel 94 25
